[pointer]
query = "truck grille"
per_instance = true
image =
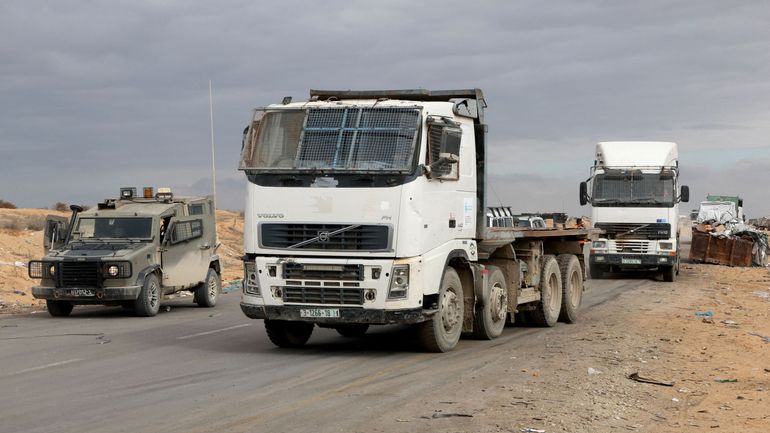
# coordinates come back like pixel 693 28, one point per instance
pixel 635 230
pixel 323 295
pixel 78 274
pixel 638 247
pixel 321 237
pixel 299 271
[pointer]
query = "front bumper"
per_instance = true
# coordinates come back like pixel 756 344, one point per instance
pixel 632 260
pixel 87 295
pixel 347 315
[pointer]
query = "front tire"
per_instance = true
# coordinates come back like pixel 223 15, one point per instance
pixel 546 312
pixel 59 308
pixel 572 287
pixel 669 274
pixel 207 292
pixel 148 302
pixel 596 271
pixel 288 334
pixel 489 320
pixel 442 332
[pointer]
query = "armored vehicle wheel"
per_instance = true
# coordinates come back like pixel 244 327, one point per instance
pixel 148 302
pixel 572 287
pixel 355 330
pixel 669 273
pixel 284 333
pixel 442 332
pixel 59 308
pixel 596 271
pixel 546 313
pixel 489 320
pixel 207 292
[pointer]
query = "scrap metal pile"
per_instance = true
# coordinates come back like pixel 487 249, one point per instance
pixel 720 238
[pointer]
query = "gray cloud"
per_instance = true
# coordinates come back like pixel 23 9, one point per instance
pixel 95 96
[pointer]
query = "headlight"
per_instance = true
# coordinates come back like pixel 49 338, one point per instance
pixel 599 245
pixel 117 270
pixel 250 279
pixel 52 270
pixel 666 245
pixel 399 282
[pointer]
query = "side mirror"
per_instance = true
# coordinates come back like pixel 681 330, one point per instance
pixel 583 193
pixel 684 195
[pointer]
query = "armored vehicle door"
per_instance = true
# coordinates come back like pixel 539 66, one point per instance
pixel 185 254
pixel 55 232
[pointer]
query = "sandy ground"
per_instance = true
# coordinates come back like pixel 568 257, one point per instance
pixel 19 244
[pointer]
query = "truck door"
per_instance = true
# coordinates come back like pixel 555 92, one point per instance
pixel 185 256
pixel 55 232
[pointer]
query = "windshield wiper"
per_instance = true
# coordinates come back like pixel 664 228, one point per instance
pixel 607 200
pixel 645 200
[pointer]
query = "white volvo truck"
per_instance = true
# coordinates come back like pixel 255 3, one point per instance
pixel 635 202
pixel 369 208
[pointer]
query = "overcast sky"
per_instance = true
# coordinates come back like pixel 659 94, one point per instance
pixel 98 95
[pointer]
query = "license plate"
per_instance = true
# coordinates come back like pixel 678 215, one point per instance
pixel 626 261
pixel 80 292
pixel 319 312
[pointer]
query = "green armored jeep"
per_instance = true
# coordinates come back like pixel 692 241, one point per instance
pixel 130 252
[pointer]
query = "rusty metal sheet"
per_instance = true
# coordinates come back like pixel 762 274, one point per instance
pixel 720 251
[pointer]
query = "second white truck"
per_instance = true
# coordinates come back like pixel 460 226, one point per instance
pixel 635 199
pixel 369 208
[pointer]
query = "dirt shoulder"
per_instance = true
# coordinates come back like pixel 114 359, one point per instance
pixel 574 378
pixel 21 240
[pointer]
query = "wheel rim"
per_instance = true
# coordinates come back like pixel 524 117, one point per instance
pixel 553 285
pixel 575 289
pixel 497 302
pixel 212 288
pixel 450 310
pixel 152 294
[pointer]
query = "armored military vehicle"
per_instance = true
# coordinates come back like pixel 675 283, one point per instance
pixel 130 252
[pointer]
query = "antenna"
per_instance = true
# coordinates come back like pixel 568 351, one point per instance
pixel 213 162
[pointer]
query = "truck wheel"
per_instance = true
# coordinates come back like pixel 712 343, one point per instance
pixel 596 271
pixel 284 333
pixel 148 302
pixel 356 330
pixel 207 292
pixel 669 273
pixel 572 287
pixel 442 332
pixel 58 308
pixel 546 312
pixel 489 320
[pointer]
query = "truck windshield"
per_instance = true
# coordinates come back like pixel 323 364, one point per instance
pixel 632 188
pixel 352 139
pixel 115 228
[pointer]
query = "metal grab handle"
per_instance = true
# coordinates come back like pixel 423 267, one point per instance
pixel 205 247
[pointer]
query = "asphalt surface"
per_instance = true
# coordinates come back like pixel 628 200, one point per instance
pixel 214 370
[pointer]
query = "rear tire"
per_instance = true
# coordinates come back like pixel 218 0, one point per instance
pixel 356 330
pixel 288 334
pixel 59 308
pixel 489 320
pixel 148 302
pixel 572 287
pixel 546 313
pixel 207 292
pixel 442 332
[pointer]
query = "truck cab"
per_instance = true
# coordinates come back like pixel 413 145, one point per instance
pixel 131 251
pixel 635 199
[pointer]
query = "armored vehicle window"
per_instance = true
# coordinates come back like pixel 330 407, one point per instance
pixel 197 208
pixel 186 230
pixel 106 228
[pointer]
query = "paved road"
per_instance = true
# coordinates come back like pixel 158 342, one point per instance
pixel 214 370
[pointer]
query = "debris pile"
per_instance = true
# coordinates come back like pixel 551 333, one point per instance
pixel 720 237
